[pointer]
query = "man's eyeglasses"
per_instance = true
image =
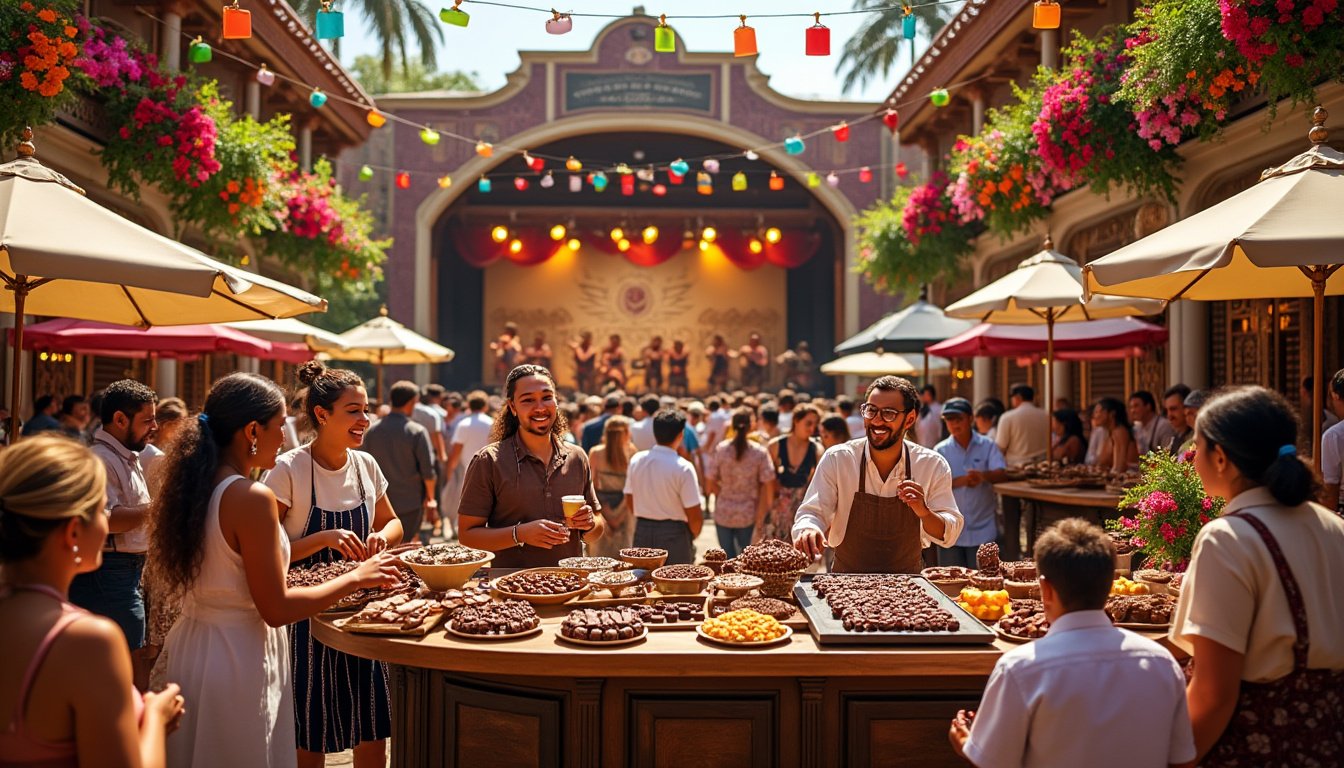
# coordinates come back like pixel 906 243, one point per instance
pixel 872 412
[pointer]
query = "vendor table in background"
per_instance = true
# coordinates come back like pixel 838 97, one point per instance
pixel 1055 504
pixel 670 700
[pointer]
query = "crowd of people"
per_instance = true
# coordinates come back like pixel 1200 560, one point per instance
pixel 132 499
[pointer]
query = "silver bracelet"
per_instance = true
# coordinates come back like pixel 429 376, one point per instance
pixel 516 542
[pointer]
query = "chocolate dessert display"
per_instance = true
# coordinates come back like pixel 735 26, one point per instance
pixel 671 614
pixel 511 618
pixel 769 606
pixel 540 582
pixel 319 574
pixel 989 574
pixel 950 579
pixel 1143 610
pixel 603 626
pixel 885 608
pixel 397 615
pixel 715 558
pixel 478 594
pixel 736 584
pixel 592 564
pixel 647 558
pixel 1020 579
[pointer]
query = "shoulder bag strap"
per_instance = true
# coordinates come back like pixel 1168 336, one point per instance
pixel 1290 589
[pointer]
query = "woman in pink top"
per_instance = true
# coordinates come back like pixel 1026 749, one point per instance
pixel 66 697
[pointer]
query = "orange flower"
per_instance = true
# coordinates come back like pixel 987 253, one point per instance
pixel 1005 185
pixel 232 186
pixel 233 208
pixel 26 7
pixel 28 80
pixel 70 31
pixel 47 15
pixel 49 89
pixel 67 49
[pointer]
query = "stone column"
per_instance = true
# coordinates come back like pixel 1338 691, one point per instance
pixel 1188 345
pixel 171 54
pixel 1050 48
pixel 252 99
pixel 165 378
pixel 306 148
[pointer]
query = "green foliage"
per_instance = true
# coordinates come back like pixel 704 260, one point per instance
pixel 1166 510
pixel 413 78
pixel 891 262
pixel 871 53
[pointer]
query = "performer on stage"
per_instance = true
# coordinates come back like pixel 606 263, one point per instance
pixel 652 356
pixel 678 363
pixel 585 363
pixel 718 354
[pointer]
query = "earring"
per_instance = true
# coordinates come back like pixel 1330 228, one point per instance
pixel 253 450
pixel 78 559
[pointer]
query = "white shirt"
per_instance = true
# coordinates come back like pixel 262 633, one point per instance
pixel 126 487
pixel 929 427
pixel 1024 435
pixel 716 425
pixel 1095 442
pixel 1332 456
pixel 855 423
pixel 337 490
pixel 472 433
pixel 1157 432
pixel 785 421
pixel 829 497
pixel 641 434
pixel 662 484
pixel 1086 694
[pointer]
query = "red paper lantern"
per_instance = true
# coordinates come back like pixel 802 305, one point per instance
pixel 535 163
pixel 627 185
pixel 901 170
pixel 659 190
pixel 865 174
pixel 891 119
pixel 675 178
pixel 519 183
pixel 841 132
pixel 403 180
pixel 818 38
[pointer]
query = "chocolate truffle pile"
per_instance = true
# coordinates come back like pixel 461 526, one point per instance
pixel 771 556
pixel 715 555
pixel 320 573
pixel 539 583
pixel 602 624
pixel 1027 622
pixel 989 575
pixel 670 612
pixel 510 617
pixel 1140 609
pixel 454 599
pixel 683 572
pixel 643 552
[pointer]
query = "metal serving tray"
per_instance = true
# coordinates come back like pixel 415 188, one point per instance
pixel 830 631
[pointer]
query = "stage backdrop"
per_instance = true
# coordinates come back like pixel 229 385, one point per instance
pixel 691 296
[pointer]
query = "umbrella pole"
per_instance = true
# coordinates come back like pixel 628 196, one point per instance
pixel 1049 382
pixel 926 367
pixel 20 288
pixel 1318 278
pixel 380 377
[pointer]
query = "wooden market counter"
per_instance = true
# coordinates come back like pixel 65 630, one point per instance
pixel 670 700
pixel 1055 504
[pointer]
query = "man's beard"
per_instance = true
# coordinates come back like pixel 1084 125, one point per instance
pixel 894 437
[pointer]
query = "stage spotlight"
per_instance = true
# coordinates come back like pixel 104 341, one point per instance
pixel 624 245
pixel 650 235
pixel 704 245
pixel 573 244
pixel 617 234
pixel 755 245
pixel 708 234
pixel 499 234
pixel 558 232
pixel 773 235
pixel 515 246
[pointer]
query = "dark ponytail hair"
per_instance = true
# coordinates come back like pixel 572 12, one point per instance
pixel 506 424
pixel 177 520
pixel 323 386
pixel 741 426
pixel 1116 409
pixel 1257 429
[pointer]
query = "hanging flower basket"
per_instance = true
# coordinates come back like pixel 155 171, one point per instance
pixel 39 47
pixel 1295 45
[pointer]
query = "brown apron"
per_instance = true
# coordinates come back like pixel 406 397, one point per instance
pixel 882 535
pixel 1297 720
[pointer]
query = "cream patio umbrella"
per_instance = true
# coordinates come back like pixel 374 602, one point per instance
pixel 1046 288
pixel 880 363
pixel 63 255
pixel 1282 237
pixel 384 341
pixel 291 330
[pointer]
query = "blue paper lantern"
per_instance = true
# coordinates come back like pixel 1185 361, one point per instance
pixel 317 98
pixel 680 167
pixel 794 145
pixel 908 26
pixel 483 185
pixel 330 24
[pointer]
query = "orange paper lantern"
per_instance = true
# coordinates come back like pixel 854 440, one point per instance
pixel 744 40
pixel 1045 14
pixel 237 23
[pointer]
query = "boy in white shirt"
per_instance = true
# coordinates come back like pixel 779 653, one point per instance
pixel 662 489
pixel 1079 695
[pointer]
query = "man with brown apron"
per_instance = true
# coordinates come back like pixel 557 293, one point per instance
pixel 879 500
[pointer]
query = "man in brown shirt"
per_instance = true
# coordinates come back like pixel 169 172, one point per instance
pixel 511 495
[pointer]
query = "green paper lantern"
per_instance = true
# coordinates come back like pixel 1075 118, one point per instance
pixel 813 180
pixel 365 173
pixel 455 16
pixel 940 98
pixel 664 40
pixel 429 136
pixel 200 52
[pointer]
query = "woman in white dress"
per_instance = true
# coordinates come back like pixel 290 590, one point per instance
pixel 217 541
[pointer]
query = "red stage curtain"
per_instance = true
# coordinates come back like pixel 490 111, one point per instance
pixel 479 249
pixel 736 247
pixel 664 248
pixel 793 249
pixel 476 246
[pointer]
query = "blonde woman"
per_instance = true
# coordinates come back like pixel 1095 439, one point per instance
pixel 609 461
pixel 65 688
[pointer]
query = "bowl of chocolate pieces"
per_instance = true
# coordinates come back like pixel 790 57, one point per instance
pixel 737 584
pixel 949 579
pixel 714 559
pixel 446 566
pixel 683 579
pixel 777 563
pixel 542 586
pixel 647 558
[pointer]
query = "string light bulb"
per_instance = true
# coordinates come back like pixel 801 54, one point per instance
pixel 704 246
pixel 375 118
pixel 892 119
pixel 865 175
pixel 755 245
pixel 841 132
pixel 813 180
pixel 833 179
pixel 649 235
pixel 515 246
pixel 739 182
pixel 794 145
pixel 773 235
pixel 200 51
pixel 776 182
pixel 624 245
pixel 575 183
pixel 445 181
pixel 484 185
pixel 365 173
pixel 547 181
pixel 751 155
pixel 573 165
pixel 485 148
pixel 535 163
pixel 558 232
pixel 573 244
pixel 617 234
pixel 680 167
pixel 940 98
pixel 317 98
pixel 659 190
pixel 711 165
pixel 500 233
pixel 709 234
pixel 403 180
pixel 520 183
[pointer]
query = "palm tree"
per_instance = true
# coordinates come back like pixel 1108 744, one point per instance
pixel 395 24
pixel 871 52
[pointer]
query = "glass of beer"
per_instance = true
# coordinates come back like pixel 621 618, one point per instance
pixel 571 506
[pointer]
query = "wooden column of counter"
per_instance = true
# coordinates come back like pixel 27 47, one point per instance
pixel 670 700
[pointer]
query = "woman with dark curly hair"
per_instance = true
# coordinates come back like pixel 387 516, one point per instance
pixel 216 540
pixel 511 497
pixel 334 506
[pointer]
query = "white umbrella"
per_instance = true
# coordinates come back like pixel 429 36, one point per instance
pixel 1046 288
pixel 291 330
pixel 1282 237
pixel 63 255
pixel 384 341
pixel 908 330
pixel 881 363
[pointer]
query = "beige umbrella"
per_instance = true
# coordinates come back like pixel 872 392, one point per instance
pixel 384 341
pixel 1046 288
pixel 291 330
pixel 880 363
pixel 63 255
pixel 1282 237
